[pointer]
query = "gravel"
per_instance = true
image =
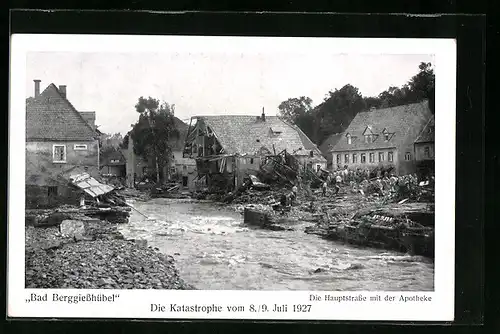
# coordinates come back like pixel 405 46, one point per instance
pixel 101 259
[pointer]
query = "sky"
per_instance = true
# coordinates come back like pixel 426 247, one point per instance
pixel 210 83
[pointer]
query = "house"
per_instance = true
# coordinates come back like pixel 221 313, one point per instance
pixel 60 142
pixel 227 148
pixel 326 148
pixel 181 169
pixel 424 149
pixel 382 137
pixel 113 164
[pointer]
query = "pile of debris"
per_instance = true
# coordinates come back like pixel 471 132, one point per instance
pixel 169 190
pixel 132 193
pixel 94 255
pixel 385 228
pixel 395 189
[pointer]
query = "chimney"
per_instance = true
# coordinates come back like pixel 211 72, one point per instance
pixel 62 90
pixel 37 87
pixel 263 115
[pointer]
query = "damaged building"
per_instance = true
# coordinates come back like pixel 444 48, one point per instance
pixel 60 142
pixel 229 148
pixel 180 169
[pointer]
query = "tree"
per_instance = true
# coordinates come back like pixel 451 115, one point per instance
pixel 337 111
pixel 154 131
pixel 124 143
pixel 294 108
pixel 109 143
pixel 418 88
pixel 422 85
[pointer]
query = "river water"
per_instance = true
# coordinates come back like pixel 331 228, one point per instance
pixel 213 249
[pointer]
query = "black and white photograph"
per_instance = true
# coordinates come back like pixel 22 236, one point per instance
pixel 256 165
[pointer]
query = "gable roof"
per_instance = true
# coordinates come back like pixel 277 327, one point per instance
pixel 247 135
pixel 400 122
pixel 428 133
pixel 50 116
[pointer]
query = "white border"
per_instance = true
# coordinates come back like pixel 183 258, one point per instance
pixel 54 153
pixel 136 303
pixel 80 147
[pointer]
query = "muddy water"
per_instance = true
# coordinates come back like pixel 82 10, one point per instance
pixel 215 250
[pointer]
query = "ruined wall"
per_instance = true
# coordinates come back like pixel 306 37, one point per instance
pixel 42 172
pixel 246 165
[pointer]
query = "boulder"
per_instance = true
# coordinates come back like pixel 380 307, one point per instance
pixel 72 228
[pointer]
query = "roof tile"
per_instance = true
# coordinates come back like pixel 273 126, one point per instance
pixel 399 122
pixel 248 135
pixel 52 117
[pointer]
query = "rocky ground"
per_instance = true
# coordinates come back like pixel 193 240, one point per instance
pixel 97 259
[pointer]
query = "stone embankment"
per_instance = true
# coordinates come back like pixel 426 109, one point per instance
pixel 75 251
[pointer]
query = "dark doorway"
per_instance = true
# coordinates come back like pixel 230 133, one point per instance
pixel 52 195
pixel 184 181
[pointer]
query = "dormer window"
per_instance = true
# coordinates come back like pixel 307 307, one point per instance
pixel 368 133
pixel 386 134
pixel 349 139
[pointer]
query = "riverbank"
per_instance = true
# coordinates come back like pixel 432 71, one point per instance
pixel 93 254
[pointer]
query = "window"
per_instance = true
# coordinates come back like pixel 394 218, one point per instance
pixel 115 160
pixel 386 135
pixel 354 158
pixel 338 159
pixel 59 153
pixel 184 168
pixel 349 141
pixel 372 157
pixel 368 138
pixel 363 158
pixel 390 157
pixel 427 152
pixel 311 154
pixel 52 191
pixel 381 156
pixel 318 167
pixel 346 158
pixel 251 161
pixel 144 170
pixel 79 147
pixel 407 156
